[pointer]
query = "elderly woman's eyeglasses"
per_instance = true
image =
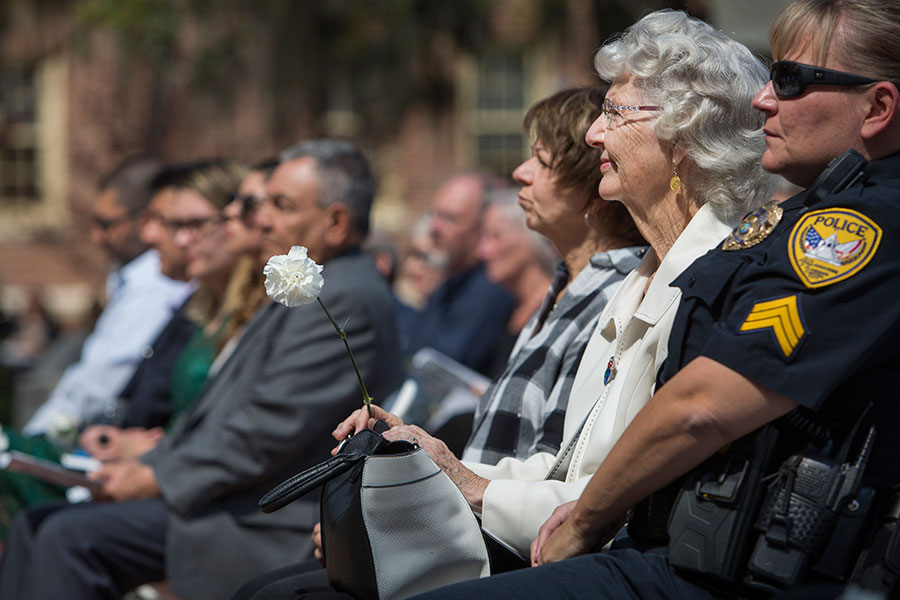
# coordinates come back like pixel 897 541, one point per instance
pixel 789 78
pixel 613 112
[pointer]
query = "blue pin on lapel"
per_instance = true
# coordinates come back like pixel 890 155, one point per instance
pixel 610 372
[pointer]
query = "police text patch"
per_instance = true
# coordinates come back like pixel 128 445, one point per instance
pixel 830 245
pixel 781 316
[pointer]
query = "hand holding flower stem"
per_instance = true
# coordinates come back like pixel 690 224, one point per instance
pixel 295 279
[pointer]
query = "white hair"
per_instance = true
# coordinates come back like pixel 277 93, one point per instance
pixel 703 81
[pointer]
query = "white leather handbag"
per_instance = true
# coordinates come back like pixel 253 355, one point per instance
pixel 393 524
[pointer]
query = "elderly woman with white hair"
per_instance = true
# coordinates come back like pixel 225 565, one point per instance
pixel 681 146
pixel 518 259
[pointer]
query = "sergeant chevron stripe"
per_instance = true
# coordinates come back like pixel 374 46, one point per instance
pixel 782 316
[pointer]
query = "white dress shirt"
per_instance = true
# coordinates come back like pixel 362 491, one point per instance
pixel 141 300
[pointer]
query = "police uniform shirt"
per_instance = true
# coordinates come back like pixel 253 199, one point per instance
pixel 812 310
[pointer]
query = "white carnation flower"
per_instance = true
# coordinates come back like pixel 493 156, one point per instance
pixel 293 279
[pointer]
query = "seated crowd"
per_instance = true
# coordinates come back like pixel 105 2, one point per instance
pixel 679 355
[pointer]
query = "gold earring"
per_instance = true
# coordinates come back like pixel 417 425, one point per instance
pixel 675 181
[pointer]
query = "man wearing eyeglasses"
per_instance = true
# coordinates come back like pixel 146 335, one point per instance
pixel 770 451
pixel 140 300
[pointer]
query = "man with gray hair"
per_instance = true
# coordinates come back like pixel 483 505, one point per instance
pixel 187 510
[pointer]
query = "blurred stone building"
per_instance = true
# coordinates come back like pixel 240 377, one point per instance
pixel 425 87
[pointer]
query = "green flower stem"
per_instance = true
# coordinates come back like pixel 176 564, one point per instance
pixel 367 399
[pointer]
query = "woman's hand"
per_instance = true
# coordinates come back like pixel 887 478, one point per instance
pixel 560 538
pixel 559 516
pixel 360 420
pixel 471 485
pixel 564 536
pixel 101 441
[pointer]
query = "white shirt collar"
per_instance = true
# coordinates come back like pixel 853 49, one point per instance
pixel 704 232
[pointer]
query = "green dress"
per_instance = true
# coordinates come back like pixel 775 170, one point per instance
pixel 190 372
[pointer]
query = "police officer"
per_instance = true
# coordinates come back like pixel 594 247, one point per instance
pixel 797 308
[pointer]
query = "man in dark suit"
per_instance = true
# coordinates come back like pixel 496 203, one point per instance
pixel 187 511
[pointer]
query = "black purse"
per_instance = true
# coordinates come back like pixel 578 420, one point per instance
pixel 393 524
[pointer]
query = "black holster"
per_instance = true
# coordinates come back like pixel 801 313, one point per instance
pixel 805 524
pixel 715 510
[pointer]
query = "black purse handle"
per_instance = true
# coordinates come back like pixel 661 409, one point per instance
pixel 354 450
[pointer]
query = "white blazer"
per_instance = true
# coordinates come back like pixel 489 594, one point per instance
pixel 633 332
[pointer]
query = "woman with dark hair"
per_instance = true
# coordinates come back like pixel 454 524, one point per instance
pixel 522 412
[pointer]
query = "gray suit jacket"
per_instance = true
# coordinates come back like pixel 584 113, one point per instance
pixel 266 415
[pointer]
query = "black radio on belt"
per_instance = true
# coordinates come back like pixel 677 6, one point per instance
pixel 814 511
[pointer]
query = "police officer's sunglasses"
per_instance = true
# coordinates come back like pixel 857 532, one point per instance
pixel 790 78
